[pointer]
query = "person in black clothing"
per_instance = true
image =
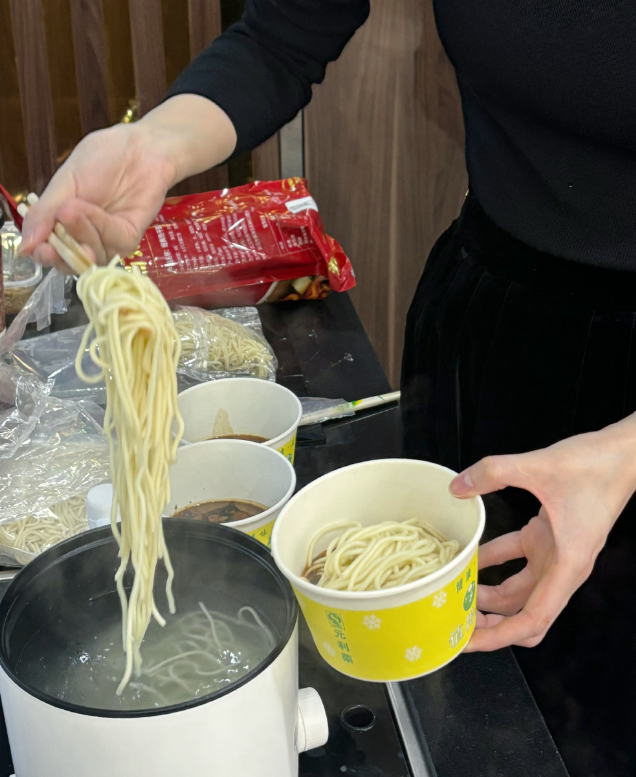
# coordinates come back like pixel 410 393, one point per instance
pixel 519 365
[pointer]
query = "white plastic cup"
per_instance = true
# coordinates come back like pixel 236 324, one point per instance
pixel 233 469
pixel 99 501
pixel 255 407
pixel 397 633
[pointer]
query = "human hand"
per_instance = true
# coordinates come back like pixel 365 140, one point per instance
pixel 583 484
pixel 105 195
pixel 115 181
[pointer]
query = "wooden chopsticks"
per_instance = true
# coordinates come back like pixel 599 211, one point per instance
pixel 69 249
pixel 66 245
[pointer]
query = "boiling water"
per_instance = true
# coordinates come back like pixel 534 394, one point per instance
pixel 198 652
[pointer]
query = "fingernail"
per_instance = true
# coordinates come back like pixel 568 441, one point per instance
pixel 462 484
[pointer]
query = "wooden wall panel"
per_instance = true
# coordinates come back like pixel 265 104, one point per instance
pixel 71 66
pixel 62 75
pixel 146 28
pixel 205 24
pixel 35 90
pixel 90 62
pixel 204 20
pixel 121 71
pixel 266 160
pixel 384 154
pixel 14 168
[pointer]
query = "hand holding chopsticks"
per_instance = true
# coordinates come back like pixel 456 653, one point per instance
pixel 65 245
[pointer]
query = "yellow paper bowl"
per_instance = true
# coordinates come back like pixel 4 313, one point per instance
pixel 233 469
pixel 254 407
pixel 399 633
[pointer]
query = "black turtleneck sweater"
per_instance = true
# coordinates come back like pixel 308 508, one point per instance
pixel 548 90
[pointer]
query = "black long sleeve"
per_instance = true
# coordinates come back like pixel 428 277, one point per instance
pixel 548 91
pixel 261 70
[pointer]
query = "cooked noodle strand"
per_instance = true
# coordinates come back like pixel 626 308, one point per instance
pixel 137 350
pixel 384 555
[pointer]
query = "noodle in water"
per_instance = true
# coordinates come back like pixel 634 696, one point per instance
pixel 384 555
pixel 199 652
pixel 204 654
pixel 137 350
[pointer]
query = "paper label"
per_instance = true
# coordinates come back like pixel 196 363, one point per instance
pixel 304 203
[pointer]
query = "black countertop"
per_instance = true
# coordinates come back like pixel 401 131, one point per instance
pixel 475 716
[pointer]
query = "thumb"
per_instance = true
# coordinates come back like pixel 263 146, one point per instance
pixel 490 474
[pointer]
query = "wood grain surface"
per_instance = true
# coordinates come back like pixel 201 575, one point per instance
pixel 29 38
pixel 266 160
pixel 204 20
pixel 90 62
pixel 384 149
pixel 205 23
pixel 15 172
pixel 146 29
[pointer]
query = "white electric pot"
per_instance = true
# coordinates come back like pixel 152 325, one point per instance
pixel 253 728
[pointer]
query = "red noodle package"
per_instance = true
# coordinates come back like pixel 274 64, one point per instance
pixel 255 243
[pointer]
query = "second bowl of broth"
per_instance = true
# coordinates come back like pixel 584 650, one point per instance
pixel 221 511
pixel 234 482
pixel 242 409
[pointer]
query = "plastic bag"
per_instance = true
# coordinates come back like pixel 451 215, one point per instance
pixel 48 298
pixel 226 343
pixel 10 206
pixel 209 351
pixel 258 242
pixel 51 360
pixel 60 453
pixel 23 401
pixel 316 410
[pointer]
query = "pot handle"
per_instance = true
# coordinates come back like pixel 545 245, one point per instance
pixel 313 728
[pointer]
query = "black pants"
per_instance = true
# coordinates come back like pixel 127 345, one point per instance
pixel 508 350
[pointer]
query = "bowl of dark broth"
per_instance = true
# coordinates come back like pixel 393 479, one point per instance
pixel 246 409
pixel 247 437
pixel 221 511
pixel 231 482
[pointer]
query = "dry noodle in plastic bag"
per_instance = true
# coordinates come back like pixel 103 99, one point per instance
pixel 21 541
pixel 45 479
pixel 217 344
pixel 224 343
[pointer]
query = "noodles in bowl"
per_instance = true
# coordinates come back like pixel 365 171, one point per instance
pixel 400 594
pixel 373 558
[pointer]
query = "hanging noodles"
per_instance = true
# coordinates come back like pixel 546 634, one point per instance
pixel 384 555
pixel 137 351
pixel 222 345
pixel 36 533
